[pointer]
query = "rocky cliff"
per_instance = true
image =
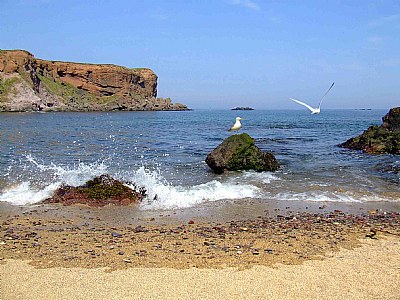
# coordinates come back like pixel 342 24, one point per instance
pixel 31 84
pixel 379 139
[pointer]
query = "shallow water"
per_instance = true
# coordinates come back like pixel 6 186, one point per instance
pixel 165 152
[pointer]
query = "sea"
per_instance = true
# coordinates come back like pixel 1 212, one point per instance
pixel 165 153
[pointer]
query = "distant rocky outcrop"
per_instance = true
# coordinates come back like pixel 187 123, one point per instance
pixel 242 108
pixel 379 139
pixel 31 84
pixel 101 191
pixel 238 152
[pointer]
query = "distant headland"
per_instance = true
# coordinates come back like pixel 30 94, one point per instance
pixel 31 84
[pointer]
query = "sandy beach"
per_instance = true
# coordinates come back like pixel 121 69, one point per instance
pixel 371 271
pixel 55 252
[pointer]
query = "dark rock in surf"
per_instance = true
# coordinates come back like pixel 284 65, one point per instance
pixel 238 152
pixel 379 139
pixel 101 191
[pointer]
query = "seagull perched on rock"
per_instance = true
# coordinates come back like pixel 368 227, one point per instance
pixel 317 110
pixel 237 125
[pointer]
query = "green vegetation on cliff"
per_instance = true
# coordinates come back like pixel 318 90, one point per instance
pixel 7 86
pixel 71 94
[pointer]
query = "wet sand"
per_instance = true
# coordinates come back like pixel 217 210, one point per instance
pixel 257 251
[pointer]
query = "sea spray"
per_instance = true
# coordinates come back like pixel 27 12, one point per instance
pixel 24 193
pixel 43 180
pixel 163 195
pixel 34 181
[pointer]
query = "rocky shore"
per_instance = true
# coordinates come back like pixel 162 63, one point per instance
pixel 379 139
pixel 86 239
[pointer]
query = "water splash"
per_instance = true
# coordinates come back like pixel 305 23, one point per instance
pixel 44 179
pixel 162 195
pixel 36 181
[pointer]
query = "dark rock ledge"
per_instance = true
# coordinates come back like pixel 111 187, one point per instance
pixel 379 139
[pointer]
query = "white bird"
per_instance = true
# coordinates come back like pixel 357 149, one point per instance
pixel 313 110
pixel 237 125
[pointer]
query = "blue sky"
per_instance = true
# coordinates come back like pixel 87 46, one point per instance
pixel 226 53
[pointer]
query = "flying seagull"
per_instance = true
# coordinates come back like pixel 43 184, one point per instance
pixel 313 110
pixel 237 125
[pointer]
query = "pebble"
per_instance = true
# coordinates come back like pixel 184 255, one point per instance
pixel 116 234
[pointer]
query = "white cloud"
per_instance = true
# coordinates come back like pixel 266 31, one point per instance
pixel 392 63
pixel 391 19
pixel 375 39
pixel 246 3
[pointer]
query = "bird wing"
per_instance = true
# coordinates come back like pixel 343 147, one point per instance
pixel 302 103
pixel 325 95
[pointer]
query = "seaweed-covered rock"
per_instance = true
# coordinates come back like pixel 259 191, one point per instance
pixel 238 152
pixel 102 190
pixel 379 139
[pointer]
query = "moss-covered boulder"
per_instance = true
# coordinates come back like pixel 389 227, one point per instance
pixel 101 191
pixel 238 152
pixel 379 139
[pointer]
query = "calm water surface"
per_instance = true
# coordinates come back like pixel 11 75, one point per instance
pixel 165 152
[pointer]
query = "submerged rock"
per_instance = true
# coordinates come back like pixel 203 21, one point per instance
pixel 238 152
pixel 102 190
pixel 379 139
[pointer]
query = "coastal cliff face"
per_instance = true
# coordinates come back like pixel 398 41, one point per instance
pixel 30 84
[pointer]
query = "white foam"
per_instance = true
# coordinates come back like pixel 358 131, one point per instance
pixel 323 196
pixel 24 193
pixel 45 185
pixel 259 177
pixel 162 195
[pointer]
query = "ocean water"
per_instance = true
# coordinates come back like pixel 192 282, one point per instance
pixel 165 153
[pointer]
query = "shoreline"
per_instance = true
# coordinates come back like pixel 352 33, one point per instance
pixel 244 236
pixel 302 250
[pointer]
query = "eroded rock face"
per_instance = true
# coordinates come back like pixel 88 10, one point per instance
pixel 101 191
pixel 67 86
pixel 238 152
pixel 379 139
